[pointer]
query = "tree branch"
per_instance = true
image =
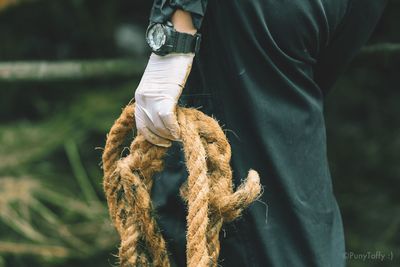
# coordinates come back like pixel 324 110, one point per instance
pixel 70 70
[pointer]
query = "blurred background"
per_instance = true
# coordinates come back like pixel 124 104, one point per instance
pixel 67 67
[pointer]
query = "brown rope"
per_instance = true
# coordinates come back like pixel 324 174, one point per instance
pixel 208 191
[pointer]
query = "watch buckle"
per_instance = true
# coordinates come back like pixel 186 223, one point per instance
pixel 197 43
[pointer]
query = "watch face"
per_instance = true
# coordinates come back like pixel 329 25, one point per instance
pixel 156 37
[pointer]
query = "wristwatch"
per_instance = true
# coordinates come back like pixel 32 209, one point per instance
pixel 164 39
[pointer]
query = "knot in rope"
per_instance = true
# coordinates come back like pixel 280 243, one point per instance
pixel 208 191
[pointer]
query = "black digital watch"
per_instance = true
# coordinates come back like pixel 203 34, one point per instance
pixel 164 39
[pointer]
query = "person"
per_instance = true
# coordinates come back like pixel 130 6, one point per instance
pixel 263 70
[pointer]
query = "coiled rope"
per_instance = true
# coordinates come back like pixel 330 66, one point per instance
pixel 208 190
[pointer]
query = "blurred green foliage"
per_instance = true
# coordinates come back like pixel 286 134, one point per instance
pixel 51 134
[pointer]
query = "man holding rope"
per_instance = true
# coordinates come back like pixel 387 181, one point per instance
pixel 263 70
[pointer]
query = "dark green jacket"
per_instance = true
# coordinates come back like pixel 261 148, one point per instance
pixel 264 69
pixel 163 9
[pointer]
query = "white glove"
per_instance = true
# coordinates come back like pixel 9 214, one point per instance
pixel 157 95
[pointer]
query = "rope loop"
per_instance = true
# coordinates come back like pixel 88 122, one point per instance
pixel 208 191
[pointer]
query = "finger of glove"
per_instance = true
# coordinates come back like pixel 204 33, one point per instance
pixel 156 126
pixel 159 127
pixel 151 120
pixel 154 138
pixel 171 123
pixel 146 132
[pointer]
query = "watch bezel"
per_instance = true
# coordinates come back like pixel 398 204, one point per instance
pixel 160 50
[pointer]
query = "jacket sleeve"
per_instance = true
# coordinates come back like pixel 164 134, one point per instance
pixel 163 9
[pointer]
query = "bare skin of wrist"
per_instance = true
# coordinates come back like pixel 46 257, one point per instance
pixel 182 21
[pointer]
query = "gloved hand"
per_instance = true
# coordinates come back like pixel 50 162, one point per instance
pixel 157 95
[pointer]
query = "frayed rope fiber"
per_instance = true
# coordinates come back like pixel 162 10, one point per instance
pixel 208 191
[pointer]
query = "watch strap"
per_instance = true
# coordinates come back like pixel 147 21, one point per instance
pixel 186 43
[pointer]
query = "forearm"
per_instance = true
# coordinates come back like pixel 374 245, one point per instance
pixel 182 21
pixel 161 85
